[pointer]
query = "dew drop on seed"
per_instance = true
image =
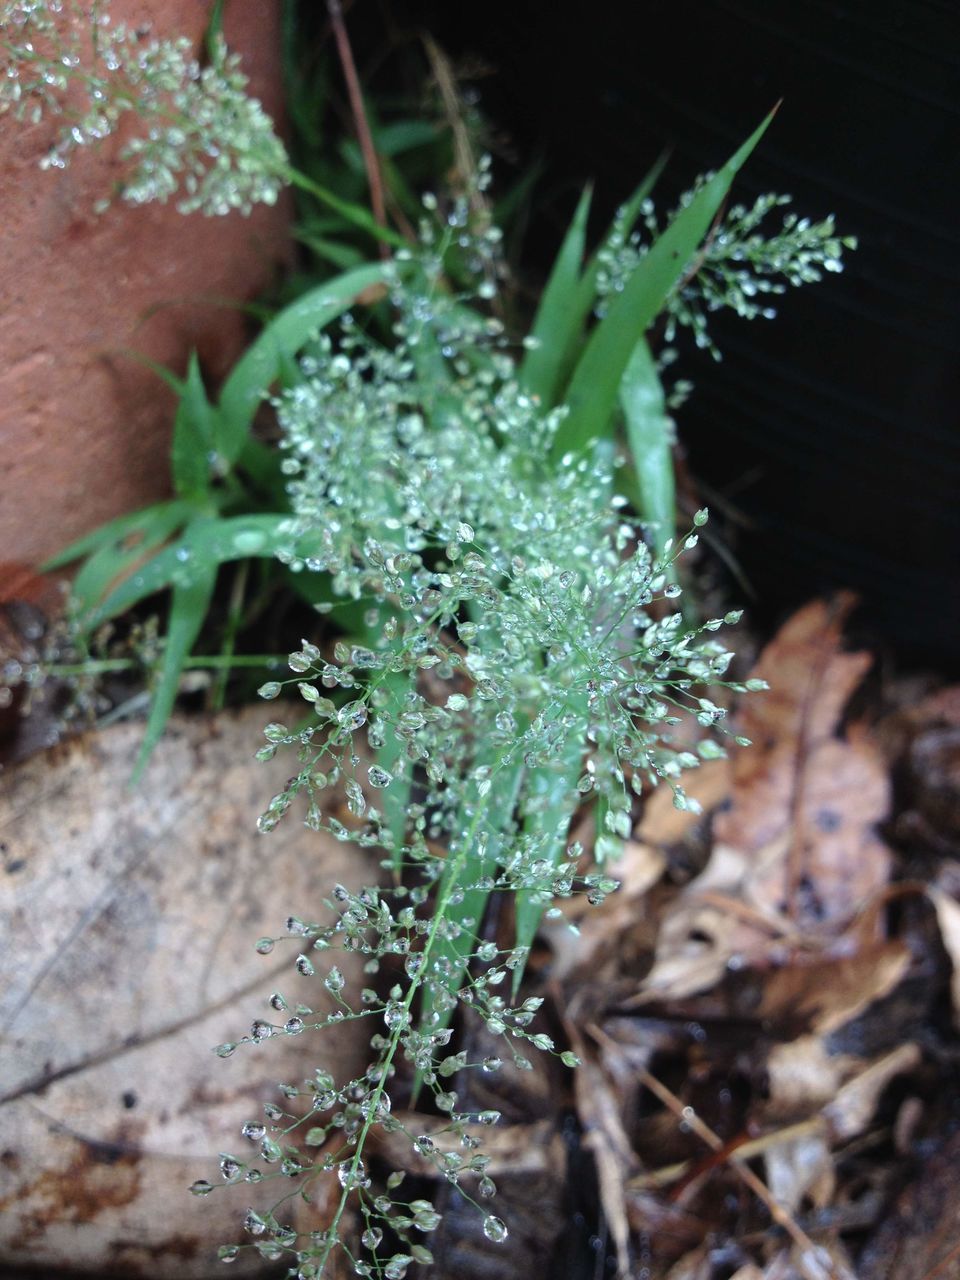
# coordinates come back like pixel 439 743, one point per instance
pixel 201 1187
pixel 495 1228
pixel 264 946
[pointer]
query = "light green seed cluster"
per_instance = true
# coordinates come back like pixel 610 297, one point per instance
pixel 741 265
pixel 522 658
pixel 197 134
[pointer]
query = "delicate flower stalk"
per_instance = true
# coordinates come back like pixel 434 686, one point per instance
pixel 199 134
pixel 521 657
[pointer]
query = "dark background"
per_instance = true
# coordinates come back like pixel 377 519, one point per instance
pixel 833 428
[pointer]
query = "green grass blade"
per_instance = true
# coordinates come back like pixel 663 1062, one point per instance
pixel 648 435
pixel 556 325
pixel 574 306
pixel 592 393
pixel 188 609
pixel 205 544
pixel 194 436
pixel 552 799
pixel 114 531
pixel 118 557
pixel 261 364
pixel 501 803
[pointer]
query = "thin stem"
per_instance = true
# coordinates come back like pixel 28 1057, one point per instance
pixel 234 618
pixel 439 918
pixel 370 160
pixel 213 661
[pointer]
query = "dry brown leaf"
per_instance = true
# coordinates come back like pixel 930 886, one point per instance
pixel 801 1077
pixel 605 1136
pixel 796 851
pixel 852 1109
pixel 663 824
pixel 130 918
pixel 824 992
pixel 811 682
pixel 696 1265
pixel 800 1168
pixel 511 1149
pixel 948 918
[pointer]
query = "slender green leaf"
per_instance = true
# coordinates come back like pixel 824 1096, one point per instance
pixel 194 436
pixel 342 255
pixel 550 805
pixel 205 544
pixel 128 526
pixel 117 558
pixel 500 804
pixel 574 306
pixel 556 325
pixel 188 608
pixel 627 215
pixel 593 388
pixel 648 435
pixel 260 365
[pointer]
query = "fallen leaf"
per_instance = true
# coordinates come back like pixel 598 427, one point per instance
pixel 796 851
pixel 799 1169
pixel 801 1078
pixel 852 1109
pixel 920 1238
pixel 824 992
pixel 948 918
pixel 130 918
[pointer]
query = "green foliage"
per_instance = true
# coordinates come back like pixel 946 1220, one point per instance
pixel 523 661
pixel 495 515
pixel 179 545
pixel 739 266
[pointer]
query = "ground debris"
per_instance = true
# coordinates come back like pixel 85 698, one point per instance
pixel 770 1002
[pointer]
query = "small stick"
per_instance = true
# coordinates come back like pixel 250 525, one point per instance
pixel 364 136
pixel 713 1140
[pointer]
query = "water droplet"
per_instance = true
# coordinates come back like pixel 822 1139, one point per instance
pixel 353 715
pixel 254 1223
pixel 293 1026
pixel 264 946
pixel 379 778
pixel 334 981
pixel 495 1228
pixel 201 1187
pixel 249 541
pixel 254 1131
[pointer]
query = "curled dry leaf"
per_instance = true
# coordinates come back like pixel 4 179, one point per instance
pixel 796 852
pixel 948 918
pixel 130 918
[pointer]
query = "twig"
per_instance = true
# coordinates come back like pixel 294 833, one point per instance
pixel 689 1117
pixel 370 161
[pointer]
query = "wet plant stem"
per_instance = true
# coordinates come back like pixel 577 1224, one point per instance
pixel 213 661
